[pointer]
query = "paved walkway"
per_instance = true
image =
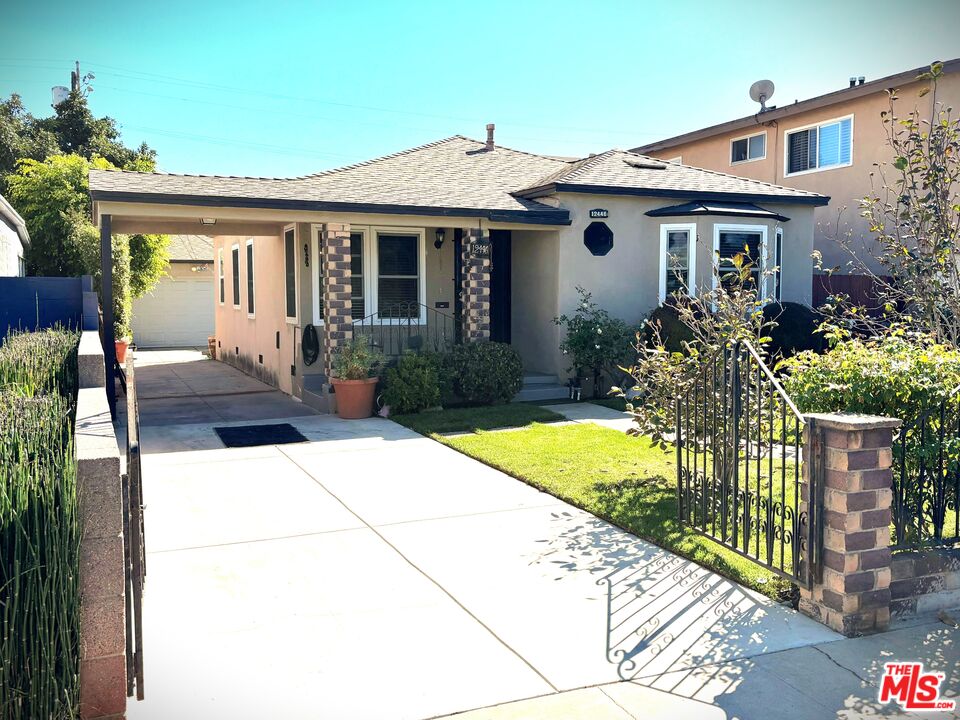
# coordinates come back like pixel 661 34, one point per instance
pixel 598 414
pixel 372 573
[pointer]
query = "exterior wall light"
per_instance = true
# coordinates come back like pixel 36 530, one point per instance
pixel 438 243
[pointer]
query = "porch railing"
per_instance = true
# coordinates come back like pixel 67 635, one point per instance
pixel 404 326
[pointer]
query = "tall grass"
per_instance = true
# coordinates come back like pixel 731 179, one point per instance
pixel 39 528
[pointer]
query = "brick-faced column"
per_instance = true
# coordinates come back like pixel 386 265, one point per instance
pixel 852 454
pixel 476 287
pixel 337 306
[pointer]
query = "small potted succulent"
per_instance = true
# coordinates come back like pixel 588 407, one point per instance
pixel 356 368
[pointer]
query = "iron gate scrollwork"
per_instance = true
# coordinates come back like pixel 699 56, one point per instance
pixel 740 479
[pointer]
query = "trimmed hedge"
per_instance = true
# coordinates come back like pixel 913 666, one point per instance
pixel 795 331
pixel 485 373
pixel 413 385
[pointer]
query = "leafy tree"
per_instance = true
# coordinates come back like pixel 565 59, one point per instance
pixel 53 198
pixel 21 136
pixel 914 214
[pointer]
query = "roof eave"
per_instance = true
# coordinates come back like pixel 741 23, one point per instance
pixel 815 200
pixel 814 103
pixel 531 217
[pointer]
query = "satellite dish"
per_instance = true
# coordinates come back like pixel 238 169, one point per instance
pixel 761 91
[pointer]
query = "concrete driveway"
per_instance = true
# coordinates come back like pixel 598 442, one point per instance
pixel 373 573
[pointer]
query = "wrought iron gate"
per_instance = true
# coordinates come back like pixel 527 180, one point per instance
pixel 740 479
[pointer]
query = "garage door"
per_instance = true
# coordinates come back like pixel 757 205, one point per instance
pixel 177 313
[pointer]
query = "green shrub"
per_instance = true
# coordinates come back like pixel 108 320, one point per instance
pixel 39 528
pixel 673 331
pixel 893 376
pixel 413 385
pixel 485 373
pixel 795 329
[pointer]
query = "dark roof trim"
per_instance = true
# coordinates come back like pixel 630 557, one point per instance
pixel 816 200
pixel 832 98
pixel 532 217
pixel 727 209
pixel 187 261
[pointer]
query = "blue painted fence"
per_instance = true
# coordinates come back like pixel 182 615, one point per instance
pixel 31 303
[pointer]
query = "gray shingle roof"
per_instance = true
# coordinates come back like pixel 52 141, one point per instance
pixel 455 176
pixel 190 248
pixel 620 171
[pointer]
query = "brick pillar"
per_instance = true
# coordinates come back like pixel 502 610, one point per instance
pixel 852 455
pixel 476 287
pixel 337 322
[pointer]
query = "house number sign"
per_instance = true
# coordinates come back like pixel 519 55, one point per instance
pixel 599 213
pixel 480 248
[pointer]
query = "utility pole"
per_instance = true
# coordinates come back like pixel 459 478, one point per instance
pixel 75 79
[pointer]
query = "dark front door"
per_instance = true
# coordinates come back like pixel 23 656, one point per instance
pixel 500 255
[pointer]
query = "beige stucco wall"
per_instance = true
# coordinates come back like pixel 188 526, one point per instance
pixel 243 340
pixel 626 281
pixel 845 185
pixel 534 298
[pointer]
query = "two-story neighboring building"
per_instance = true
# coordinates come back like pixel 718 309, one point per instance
pixel 828 144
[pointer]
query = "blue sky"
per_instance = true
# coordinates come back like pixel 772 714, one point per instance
pixel 287 88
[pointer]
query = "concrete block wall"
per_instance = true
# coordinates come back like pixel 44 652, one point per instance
pixel 924 581
pixel 103 675
pixel 476 288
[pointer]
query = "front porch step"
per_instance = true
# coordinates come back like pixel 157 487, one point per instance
pixel 540 387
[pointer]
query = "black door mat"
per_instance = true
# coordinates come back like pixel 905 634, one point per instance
pixel 254 435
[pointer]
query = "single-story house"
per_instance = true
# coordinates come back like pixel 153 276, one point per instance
pixel 178 312
pixel 14 240
pixel 456 240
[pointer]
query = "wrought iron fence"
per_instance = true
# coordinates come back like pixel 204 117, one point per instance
pixel 739 479
pixel 926 477
pixel 409 326
pixel 135 568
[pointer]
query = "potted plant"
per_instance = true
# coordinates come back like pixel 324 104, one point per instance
pixel 121 336
pixel 355 374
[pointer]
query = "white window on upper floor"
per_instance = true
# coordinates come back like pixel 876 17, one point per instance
pixel 819 147
pixel 747 149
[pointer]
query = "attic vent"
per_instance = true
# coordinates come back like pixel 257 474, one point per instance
pixel 644 163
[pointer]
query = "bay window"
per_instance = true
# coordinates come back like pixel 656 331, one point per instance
pixel 677 259
pixel 747 241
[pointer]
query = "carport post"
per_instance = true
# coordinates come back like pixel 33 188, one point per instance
pixel 106 303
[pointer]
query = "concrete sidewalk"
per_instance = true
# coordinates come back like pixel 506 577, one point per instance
pixel 587 412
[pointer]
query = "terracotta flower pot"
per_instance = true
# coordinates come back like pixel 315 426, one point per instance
pixel 120 347
pixel 355 397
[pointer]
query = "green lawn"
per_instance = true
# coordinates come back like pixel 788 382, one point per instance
pixel 472 419
pixel 619 478
pixel 614 403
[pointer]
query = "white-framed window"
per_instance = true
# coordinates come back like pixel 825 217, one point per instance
pixel 820 146
pixel 220 277
pixel 235 274
pixel 290 272
pixel 678 253
pixel 251 289
pixel 749 241
pixel 778 261
pixel 748 148
pixel 388 273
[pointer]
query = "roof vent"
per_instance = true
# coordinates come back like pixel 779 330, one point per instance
pixel 860 80
pixel 644 163
pixel 490 144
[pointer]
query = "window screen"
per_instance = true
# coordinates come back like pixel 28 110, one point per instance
pixel 751 148
pixel 824 146
pixel 235 272
pixel 250 303
pixel 398 281
pixel 359 307
pixel 678 261
pixel 290 271
pixel 740 242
